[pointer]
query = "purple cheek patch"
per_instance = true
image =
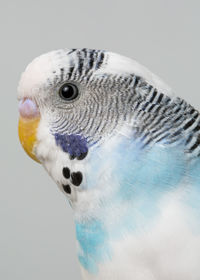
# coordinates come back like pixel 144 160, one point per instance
pixel 73 144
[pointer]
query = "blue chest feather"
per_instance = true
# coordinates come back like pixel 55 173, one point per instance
pixel 140 179
pixel 94 248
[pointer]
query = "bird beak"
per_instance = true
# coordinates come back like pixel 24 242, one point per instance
pixel 28 125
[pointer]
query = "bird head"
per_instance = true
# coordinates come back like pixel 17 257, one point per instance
pixel 71 102
pixel 66 94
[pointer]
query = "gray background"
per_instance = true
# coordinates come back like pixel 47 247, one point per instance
pixel 37 238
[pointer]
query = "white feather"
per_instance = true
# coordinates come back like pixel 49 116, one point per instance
pixel 170 251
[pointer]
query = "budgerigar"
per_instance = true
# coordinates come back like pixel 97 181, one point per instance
pixel 126 153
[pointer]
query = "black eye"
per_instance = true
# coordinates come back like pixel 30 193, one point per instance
pixel 68 92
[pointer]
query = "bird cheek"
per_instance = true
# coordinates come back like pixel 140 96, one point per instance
pixel 27 127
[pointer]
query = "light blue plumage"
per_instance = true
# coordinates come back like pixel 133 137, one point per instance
pixel 140 184
pixel 126 152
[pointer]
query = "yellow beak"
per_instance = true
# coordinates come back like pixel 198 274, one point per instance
pixel 27 129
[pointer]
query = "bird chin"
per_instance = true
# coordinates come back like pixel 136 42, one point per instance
pixel 27 130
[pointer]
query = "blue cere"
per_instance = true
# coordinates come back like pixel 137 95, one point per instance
pixel 73 144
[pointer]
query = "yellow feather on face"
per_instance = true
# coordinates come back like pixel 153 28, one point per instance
pixel 27 129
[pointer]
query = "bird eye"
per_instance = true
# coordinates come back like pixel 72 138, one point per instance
pixel 68 92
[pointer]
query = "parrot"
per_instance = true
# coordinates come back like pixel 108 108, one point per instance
pixel 125 151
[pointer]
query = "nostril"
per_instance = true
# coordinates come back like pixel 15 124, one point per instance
pixel 28 108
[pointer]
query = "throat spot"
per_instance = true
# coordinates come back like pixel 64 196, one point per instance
pixel 76 147
pixel 72 178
